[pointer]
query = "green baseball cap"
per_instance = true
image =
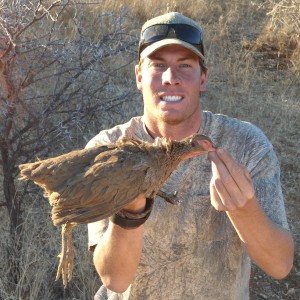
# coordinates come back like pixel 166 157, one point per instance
pixel 171 29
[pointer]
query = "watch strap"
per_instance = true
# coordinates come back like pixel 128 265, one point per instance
pixel 128 220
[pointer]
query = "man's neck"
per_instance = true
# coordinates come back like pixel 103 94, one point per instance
pixel 173 131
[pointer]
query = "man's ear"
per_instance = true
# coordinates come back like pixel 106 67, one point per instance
pixel 203 79
pixel 138 77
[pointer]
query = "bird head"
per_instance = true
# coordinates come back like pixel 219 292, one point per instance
pixel 194 145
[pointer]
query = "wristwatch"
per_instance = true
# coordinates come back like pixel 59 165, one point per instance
pixel 128 220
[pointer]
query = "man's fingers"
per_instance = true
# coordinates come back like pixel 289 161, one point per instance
pixel 221 172
pixel 226 189
pixel 239 174
pixel 215 199
pixel 231 180
pixel 137 205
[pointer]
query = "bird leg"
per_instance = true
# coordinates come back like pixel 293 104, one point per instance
pixel 171 198
pixel 66 257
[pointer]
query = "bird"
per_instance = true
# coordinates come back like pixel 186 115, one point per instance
pixel 88 185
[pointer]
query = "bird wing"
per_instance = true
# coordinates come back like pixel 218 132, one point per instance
pixel 114 179
pixel 51 173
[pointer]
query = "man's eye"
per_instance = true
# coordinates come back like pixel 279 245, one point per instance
pixel 159 65
pixel 185 66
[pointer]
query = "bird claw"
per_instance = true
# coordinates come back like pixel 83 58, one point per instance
pixel 65 267
pixel 171 198
pixel 66 257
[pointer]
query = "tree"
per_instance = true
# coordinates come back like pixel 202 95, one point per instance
pixel 55 82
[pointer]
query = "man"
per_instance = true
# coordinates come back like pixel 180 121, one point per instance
pixel 232 205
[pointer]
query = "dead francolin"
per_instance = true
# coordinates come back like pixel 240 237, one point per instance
pixel 88 185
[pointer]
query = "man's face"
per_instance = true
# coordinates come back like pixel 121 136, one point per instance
pixel 171 80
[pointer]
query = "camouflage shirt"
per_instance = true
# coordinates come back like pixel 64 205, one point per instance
pixel 192 251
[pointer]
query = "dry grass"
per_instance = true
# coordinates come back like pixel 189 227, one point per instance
pixel 253 55
pixel 278 44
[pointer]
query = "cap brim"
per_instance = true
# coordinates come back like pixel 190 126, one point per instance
pixel 167 42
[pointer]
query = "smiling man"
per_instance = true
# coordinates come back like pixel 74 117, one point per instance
pixel 170 85
pixel 232 207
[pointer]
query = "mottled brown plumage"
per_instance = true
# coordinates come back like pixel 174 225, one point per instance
pixel 88 185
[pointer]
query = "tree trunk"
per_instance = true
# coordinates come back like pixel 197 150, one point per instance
pixel 13 205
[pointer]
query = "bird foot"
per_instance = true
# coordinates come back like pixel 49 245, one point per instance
pixel 66 257
pixel 171 198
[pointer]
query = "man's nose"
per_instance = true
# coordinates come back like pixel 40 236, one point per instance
pixel 170 77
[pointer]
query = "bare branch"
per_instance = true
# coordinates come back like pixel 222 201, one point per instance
pixel 36 18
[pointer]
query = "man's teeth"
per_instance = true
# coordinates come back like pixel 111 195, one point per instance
pixel 171 98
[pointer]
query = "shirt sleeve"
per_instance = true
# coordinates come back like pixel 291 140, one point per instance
pixel 95 232
pixel 259 157
pixel 266 180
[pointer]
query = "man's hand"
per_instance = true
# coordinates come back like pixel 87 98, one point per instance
pixel 137 205
pixel 231 187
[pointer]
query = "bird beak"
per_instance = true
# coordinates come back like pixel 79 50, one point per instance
pixel 204 146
